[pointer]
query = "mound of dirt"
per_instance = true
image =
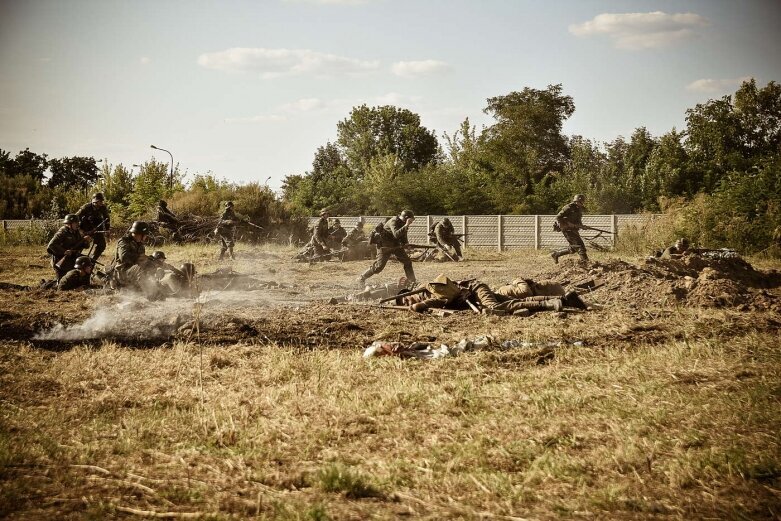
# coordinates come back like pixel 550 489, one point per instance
pixel 692 281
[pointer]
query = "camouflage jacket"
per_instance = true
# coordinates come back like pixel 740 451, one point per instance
pixel 396 235
pixel 90 216
pixel 129 252
pixel 320 233
pixel 570 217
pixel 228 219
pixel 73 280
pixel 66 239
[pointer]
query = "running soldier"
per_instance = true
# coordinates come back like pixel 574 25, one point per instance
pixel 66 245
pixel 569 220
pixel 95 221
pixel 226 230
pixel 391 239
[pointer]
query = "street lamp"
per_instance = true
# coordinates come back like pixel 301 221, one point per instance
pixel 171 175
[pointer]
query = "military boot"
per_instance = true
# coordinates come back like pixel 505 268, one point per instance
pixel 572 300
pixel 545 305
pixel 230 253
pixel 558 253
pixel 538 298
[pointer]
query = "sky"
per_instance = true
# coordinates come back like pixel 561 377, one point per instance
pixel 248 89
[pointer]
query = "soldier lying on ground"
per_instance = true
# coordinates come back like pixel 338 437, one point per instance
pixel 66 245
pixel 474 294
pixel 79 278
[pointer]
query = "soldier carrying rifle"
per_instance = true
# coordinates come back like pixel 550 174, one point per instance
pixel 66 245
pixel 568 221
pixel 444 235
pixel 391 240
pixel 94 220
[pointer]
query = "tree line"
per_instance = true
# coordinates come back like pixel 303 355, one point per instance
pixel 719 177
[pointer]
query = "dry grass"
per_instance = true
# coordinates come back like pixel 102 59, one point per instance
pixel 683 423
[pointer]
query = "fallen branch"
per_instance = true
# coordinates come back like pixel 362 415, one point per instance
pixel 92 467
pixel 164 515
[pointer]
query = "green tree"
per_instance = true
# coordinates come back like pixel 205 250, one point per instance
pixel 526 142
pixel 25 163
pixel 150 185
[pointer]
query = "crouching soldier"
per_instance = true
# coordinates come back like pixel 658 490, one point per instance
pixel 79 278
pixel 66 245
pixel 132 267
pixel 180 282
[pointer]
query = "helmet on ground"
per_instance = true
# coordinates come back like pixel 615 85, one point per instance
pixel 70 218
pixel 139 227
pixel 188 268
pixel 229 204
pixel 98 196
pixel 407 214
pixel 163 203
pixel 82 262
pixel 579 198
pixel 158 255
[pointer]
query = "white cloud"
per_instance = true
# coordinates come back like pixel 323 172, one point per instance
pixel 634 31
pixel 145 60
pixel 303 105
pixel 394 98
pixel 710 86
pixel 271 63
pixel 414 69
pixel 266 118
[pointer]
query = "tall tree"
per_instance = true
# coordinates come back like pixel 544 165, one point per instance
pixel 526 142
pixel 25 163
pixel 73 172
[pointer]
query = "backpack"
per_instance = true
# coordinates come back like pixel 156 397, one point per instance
pixel 376 236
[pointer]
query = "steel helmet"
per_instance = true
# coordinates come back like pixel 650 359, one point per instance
pixel 188 268
pixel 337 221
pixel 683 241
pixel 407 214
pixel 98 196
pixel 70 218
pixel 579 198
pixel 229 204
pixel 158 255
pixel 139 227
pixel 163 203
pixel 82 262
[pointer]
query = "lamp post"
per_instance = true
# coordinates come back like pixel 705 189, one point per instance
pixel 171 175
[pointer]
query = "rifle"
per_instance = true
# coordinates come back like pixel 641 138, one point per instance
pixel 402 295
pixel 324 255
pixel 584 227
pixel 420 246
pixel 253 225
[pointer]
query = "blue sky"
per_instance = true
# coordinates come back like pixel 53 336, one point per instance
pixel 249 89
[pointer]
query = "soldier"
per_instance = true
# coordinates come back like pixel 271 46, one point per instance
pixel 320 235
pixel 357 244
pixel 132 267
pixel 179 282
pixel 79 277
pixel 226 230
pixel 95 221
pixel 525 288
pixel 336 234
pixel 66 245
pixel 677 250
pixel 445 236
pixel 391 239
pixel 166 217
pixel 569 220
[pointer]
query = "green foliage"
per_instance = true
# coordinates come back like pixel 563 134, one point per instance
pixel 340 478
pixel 73 172
pixel 152 184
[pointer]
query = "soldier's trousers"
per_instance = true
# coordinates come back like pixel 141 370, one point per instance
pixel 226 239
pixel 521 289
pixel 455 244
pixel 576 244
pixel 65 266
pixel 99 240
pixel 383 255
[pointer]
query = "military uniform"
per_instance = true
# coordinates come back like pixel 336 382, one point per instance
pixel 444 236
pixel 525 288
pixel 320 237
pixel 167 218
pixel 130 263
pixel 391 243
pixel 570 219
pixel 357 245
pixel 90 218
pixel 226 229
pixel 65 239
pixel 336 234
pixel 74 280
pixel 672 252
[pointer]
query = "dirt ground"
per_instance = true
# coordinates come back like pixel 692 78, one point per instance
pixel 637 307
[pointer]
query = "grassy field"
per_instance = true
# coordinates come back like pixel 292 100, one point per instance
pixel 665 412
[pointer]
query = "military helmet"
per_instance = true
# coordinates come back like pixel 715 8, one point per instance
pixel 82 262
pixel 98 196
pixel 579 198
pixel 324 211
pixel 158 255
pixel 188 268
pixel 163 203
pixel 407 214
pixel 446 220
pixel 139 227
pixel 359 224
pixel 683 241
pixel 70 218
pixel 229 204
pixel 337 221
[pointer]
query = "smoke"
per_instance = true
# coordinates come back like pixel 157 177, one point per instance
pixel 132 317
